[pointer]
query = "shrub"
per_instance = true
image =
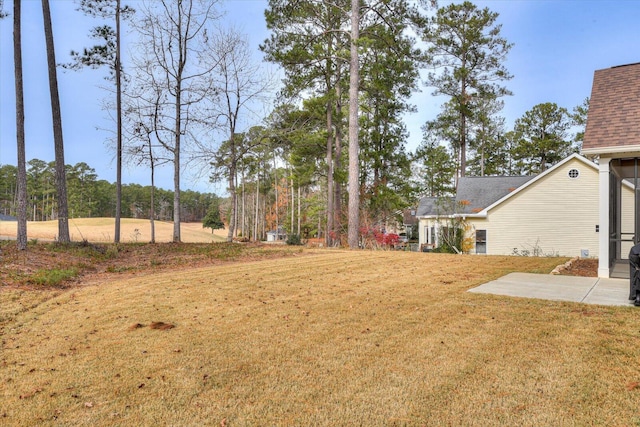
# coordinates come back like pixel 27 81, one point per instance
pixel 390 239
pixel 377 238
pixel 451 239
pixel 294 239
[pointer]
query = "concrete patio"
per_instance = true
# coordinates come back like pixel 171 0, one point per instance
pixel 588 290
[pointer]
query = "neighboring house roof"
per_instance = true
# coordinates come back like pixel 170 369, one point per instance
pixel 478 192
pixel 435 206
pixel 7 218
pixel 613 122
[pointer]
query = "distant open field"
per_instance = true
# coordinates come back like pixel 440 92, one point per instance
pixel 317 338
pixel 102 230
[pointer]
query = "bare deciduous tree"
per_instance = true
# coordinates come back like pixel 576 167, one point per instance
pixel 140 115
pixel 238 83
pixel 172 39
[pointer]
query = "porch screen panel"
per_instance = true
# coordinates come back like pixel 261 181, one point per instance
pixel 614 213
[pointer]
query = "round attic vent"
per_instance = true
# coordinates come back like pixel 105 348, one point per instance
pixel 574 173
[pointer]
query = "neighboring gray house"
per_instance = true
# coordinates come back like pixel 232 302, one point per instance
pixel 553 213
pixel 474 194
pixel 7 218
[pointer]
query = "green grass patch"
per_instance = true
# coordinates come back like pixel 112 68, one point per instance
pixel 53 277
pixel 119 269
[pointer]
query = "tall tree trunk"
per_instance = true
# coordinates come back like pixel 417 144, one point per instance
pixel 263 232
pixel 244 217
pixel 275 175
pixel 176 180
pixel 337 192
pixel 232 184
pixel 235 207
pixel 255 226
pixel 116 234
pixel 330 186
pixel 232 192
pixel 329 233
pixel 181 62
pixel 20 137
pixel 152 211
pixel 176 164
pixel 354 147
pixel 61 181
pixel 299 210
pixel 463 129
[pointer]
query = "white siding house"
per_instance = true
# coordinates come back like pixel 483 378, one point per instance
pixel 553 213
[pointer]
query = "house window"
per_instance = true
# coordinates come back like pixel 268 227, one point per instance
pixel 574 173
pixel 481 241
pixel 432 235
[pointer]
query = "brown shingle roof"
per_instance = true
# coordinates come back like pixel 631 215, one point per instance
pixel 614 109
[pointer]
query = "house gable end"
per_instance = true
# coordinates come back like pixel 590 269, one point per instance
pixel 540 177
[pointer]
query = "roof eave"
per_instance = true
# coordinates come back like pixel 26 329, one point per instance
pixel 482 214
pixel 605 151
pixel 435 216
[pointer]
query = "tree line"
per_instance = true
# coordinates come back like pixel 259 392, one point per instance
pixel 90 197
pixel 329 159
pixel 266 201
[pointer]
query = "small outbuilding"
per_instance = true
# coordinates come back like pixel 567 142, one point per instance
pixel 278 235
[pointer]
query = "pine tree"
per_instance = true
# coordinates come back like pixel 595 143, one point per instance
pixel 212 220
pixel 20 137
pixel 467 48
pixel 61 181
pixel 107 54
pixel 541 138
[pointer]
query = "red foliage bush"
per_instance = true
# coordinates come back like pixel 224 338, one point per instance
pixel 370 235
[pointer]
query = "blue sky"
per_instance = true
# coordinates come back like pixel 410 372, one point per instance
pixel 557 47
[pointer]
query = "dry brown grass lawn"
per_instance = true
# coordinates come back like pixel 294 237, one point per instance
pixel 334 338
pixel 102 229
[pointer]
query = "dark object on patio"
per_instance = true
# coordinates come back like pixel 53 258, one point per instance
pixel 634 274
